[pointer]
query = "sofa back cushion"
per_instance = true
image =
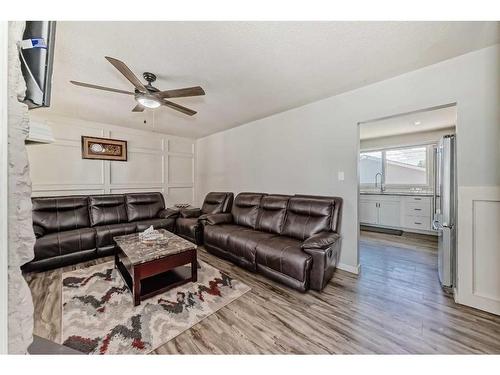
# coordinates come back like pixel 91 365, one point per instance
pixel 107 209
pixel 306 216
pixel 246 209
pixel 272 213
pixel 337 210
pixel 217 202
pixel 143 206
pixel 58 214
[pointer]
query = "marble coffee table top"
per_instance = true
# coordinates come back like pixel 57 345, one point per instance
pixel 139 252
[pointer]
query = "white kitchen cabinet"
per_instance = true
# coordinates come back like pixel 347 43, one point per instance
pixel 380 210
pixel 368 211
pixel 408 213
pixel 389 213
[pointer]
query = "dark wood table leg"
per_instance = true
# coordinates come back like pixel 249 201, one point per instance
pixel 137 287
pixel 194 271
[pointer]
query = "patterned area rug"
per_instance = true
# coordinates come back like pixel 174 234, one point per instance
pixel 99 317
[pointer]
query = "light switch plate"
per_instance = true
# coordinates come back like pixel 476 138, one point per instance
pixel 341 175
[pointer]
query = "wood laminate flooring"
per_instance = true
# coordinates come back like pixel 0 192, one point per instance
pixel 395 305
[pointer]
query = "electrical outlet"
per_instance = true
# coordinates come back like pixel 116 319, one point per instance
pixel 341 175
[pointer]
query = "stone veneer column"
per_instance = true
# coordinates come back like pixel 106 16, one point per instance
pixel 21 237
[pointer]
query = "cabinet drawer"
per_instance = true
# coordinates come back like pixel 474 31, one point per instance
pixel 417 222
pixel 414 199
pixel 417 209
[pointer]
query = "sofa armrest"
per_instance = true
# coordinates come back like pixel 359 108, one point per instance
pixel 168 213
pixel 322 240
pixel 216 219
pixel 38 230
pixel 324 248
pixel 190 212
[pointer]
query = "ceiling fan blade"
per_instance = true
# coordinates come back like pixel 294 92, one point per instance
pixel 138 108
pixel 120 65
pixel 178 93
pixel 179 108
pixel 89 85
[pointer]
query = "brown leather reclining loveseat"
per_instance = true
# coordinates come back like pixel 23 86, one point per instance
pixel 188 224
pixel 292 239
pixel 73 229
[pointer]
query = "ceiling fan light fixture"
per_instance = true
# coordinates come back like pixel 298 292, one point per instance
pixel 148 101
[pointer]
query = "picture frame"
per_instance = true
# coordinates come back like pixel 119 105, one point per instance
pixel 104 148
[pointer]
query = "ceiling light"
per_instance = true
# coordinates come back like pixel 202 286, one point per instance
pixel 148 101
pixel 417 122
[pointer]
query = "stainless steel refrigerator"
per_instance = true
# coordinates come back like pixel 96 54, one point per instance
pixel 444 220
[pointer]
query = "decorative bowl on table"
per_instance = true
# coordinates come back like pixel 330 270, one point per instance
pixel 151 236
pixel 182 205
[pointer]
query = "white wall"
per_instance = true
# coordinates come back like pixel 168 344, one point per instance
pixel 4 32
pixel 301 150
pixel 21 238
pixel 156 162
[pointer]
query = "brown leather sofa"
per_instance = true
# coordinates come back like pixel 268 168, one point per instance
pixel 292 239
pixel 72 229
pixel 188 223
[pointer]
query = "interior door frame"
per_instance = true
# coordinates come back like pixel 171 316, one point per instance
pixel 358 130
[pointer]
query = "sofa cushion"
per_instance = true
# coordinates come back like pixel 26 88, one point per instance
pixel 217 202
pixel 143 206
pixel 337 209
pixel 187 227
pixel 272 213
pixel 190 213
pixel 242 243
pixel 307 216
pixel 284 255
pixel 66 242
pixel 217 235
pixel 57 214
pixel 168 213
pixel 105 233
pixel 168 224
pixel 107 209
pixel 246 209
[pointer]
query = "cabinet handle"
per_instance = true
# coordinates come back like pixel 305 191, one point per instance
pixel 417 223
pixel 417 199
pixel 417 209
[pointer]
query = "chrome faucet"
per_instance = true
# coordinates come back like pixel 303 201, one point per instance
pixel 376 182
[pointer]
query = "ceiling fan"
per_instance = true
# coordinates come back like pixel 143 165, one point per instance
pixel 147 96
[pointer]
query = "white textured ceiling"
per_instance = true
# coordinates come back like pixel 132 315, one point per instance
pixel 249 70
pixel 410 123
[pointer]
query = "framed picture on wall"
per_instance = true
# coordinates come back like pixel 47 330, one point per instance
pixel 104 149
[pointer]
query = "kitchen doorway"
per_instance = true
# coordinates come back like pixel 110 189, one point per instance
pixel 401 201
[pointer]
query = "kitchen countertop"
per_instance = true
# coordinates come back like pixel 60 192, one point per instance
pixel 406 194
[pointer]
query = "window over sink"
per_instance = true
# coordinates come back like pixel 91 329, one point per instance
pixel 396 168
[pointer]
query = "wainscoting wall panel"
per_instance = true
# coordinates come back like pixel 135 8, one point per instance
pixel 180 170
pixel 156 162
pixel 179 194
pixel 479 247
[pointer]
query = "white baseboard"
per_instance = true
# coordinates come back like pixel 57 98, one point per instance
pixel 348 268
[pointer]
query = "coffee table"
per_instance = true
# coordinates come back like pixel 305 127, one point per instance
pixel 152 268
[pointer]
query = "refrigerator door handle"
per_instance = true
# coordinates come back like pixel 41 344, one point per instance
pixel 436 224
pixel 434 198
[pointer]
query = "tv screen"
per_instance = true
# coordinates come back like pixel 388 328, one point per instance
pixel 37 54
